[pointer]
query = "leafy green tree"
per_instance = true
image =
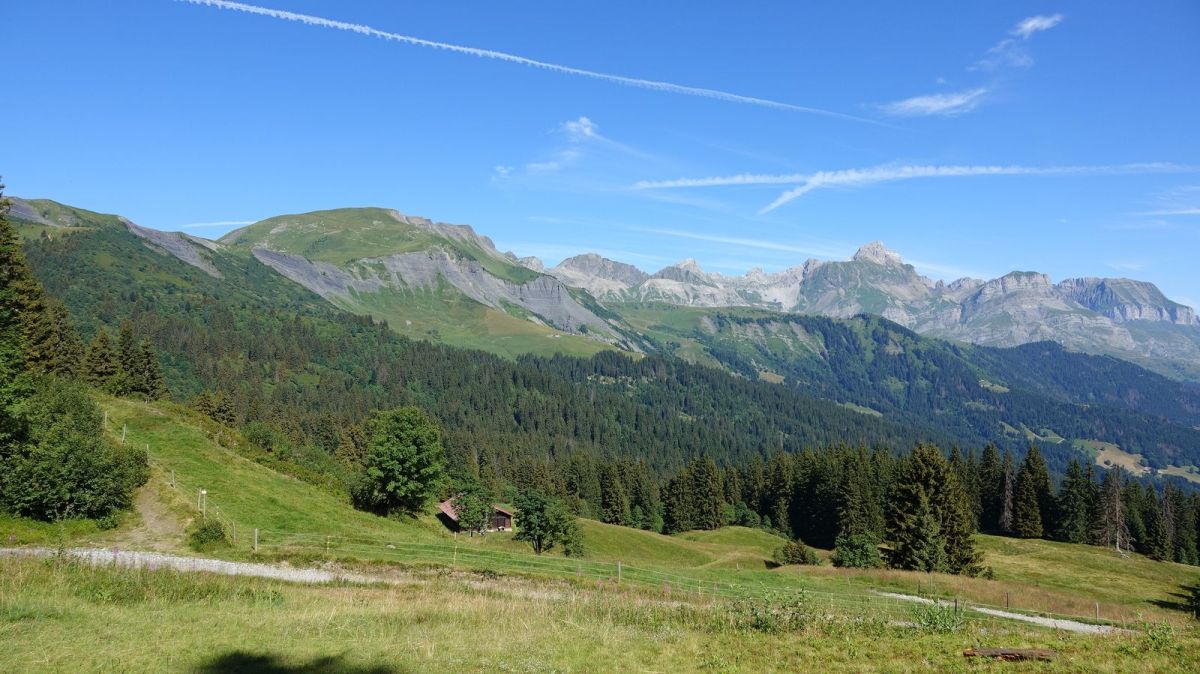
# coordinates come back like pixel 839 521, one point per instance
pixel 64 468
pixel 796 552
pixel 474 510
pixel 544 522
pixel 405 463
pixel 857 551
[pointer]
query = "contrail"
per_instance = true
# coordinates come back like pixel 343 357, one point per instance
pixel 653 85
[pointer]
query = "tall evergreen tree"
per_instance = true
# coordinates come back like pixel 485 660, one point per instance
pixel 148 377
pixel 1007 495
pixel 614 503
pixel 1111 528
pixel 707 493
pixel 54 345
pixel 1076 503
pixel 930 522
pixel 1158 532
pixel 1032 504
pixel 100 366
pixel 991 488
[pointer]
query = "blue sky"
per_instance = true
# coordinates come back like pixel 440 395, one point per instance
pixel 973 138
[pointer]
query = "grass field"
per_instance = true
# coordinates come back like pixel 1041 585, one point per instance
pixel 672 610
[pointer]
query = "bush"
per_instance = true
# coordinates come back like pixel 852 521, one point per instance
pixel 774 612
pixel 64 467
pixel 937 617
pixel 858 551
pixel 208 534
pixel 796 552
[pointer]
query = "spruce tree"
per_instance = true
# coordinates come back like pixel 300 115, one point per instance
pixel 1158 534
pixel 1032 502
pixel 1007 495
pixel 991 485
pixel 54 346
pixel 929 520
pixel 149 377
pixel 100 366
pixel 614 503
pixel 707 493
pixel 1111 528
pixel 1076 503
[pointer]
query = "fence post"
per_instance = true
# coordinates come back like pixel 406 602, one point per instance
pixel 455 562
pixel 327 545
pixel 256 540
pixel 1007 603
pixel 956 606
pixel 1097 610
pixel 123 429
pixel 618 573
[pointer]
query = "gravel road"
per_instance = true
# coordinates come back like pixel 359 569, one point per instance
pixel 1056 623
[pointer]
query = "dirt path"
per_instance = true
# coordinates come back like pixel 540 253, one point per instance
pixel 1055 623
pixel 156 560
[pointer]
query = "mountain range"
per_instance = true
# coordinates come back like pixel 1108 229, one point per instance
pixel 841 337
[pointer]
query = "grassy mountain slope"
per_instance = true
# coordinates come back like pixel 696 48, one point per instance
pixel 557 621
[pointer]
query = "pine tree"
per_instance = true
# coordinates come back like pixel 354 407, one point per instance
pixel 148 376
pixel 54 345
pixel 1006 514
pixel 1158 534
pixel 614 503
pixel 1111 528
pixel 128 357
pixel 991 488
pixel 1033 498
pixel 1076 502
pixel 707 493
pixel 100 366
pixel 929 520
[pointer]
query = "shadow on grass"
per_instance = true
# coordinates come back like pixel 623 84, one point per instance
pixel 1186 600
pixel 266 663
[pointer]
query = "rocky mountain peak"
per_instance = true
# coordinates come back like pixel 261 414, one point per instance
pixel 877 253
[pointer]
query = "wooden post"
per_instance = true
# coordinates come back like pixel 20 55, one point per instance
pixel 123 429
pixel 256 540
pixel 455 562
pixel 327 545
pixel 618 573
pixel 1097 610
pixel 956 606
pixel 172 478
pixel 1007 602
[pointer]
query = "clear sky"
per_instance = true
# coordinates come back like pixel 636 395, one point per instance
pixel 974 138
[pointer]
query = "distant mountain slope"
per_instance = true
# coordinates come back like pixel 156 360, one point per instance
pixel 1037 392
pixel 1128 319
pixel 396 267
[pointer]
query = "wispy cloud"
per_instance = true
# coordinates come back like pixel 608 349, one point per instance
pixel 654 85
pixel 1174 211
pixel 1036 24
pixel 810 182
pixel 1126 265
pixel 813 250
pixel 1009 52
pixel 949 104
pixel 218 223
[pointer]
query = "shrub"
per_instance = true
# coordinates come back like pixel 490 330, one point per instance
pixel 772 613
pixel 64 467
pixel 937 617
pixel 796 552
pixel 858 551
pixel 207 534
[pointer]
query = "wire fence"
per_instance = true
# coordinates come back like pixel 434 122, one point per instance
pixel 672 585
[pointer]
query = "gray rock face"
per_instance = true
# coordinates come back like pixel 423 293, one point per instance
pixel 23 210
pixel 186 248
pixel 1120 317
pixel 603 278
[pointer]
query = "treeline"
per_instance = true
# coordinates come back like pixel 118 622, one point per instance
pixel 54 460
pixel 971 392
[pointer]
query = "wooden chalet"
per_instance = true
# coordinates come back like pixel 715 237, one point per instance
pixel 502 520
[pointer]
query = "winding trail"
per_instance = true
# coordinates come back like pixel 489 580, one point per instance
pixel 132 559
pixel 1054 623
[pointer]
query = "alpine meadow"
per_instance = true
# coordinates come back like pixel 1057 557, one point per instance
pixel 669 403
